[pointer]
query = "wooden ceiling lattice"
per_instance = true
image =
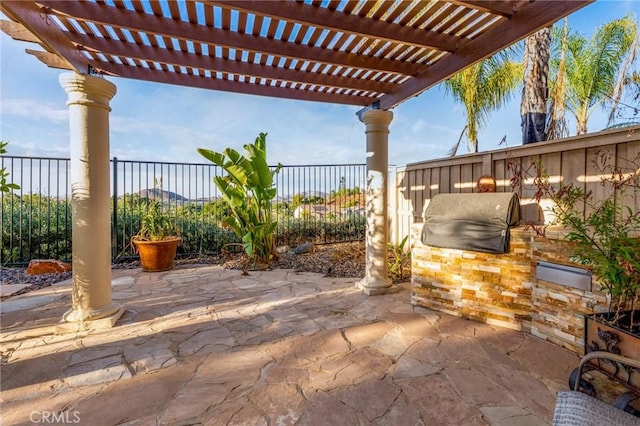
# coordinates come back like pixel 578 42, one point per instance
pixel 356 52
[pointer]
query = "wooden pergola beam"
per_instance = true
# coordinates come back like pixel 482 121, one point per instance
pixel 504 8
pixel 152 24
pixel 49 34
pixel 50 59
pixel 175 57
pixel 209 83
pixel 373 62
pixel 342 22
pixel 17 31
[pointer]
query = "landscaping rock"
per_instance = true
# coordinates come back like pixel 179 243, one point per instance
pixel 47 266
pixel 304 248
pixel 282 249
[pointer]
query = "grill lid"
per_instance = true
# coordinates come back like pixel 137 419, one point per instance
pixel 472 221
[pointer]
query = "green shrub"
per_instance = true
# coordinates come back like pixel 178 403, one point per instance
pixel 294 231
pixel 4 175
pixel 35 226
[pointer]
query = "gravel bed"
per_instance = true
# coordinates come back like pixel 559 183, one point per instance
pixel 344 260
pixel 35 282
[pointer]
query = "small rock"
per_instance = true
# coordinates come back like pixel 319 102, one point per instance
pixel 282 249
pixel 47 266
pixel 304 248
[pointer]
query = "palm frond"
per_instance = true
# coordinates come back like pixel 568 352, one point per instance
pixel 594 70
pixel 483 88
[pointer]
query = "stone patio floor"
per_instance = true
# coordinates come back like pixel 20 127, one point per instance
pixel 205 345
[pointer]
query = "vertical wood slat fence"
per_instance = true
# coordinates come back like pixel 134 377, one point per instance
pixel 570 161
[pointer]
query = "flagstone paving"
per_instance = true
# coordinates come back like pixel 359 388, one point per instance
pixel 205 345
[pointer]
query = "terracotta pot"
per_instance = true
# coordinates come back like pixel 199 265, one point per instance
pixel 156 256
pixel 599 336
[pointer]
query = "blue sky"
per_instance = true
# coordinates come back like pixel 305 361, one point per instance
pixel 158 122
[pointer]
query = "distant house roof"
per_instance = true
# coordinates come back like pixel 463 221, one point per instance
pixel 315 210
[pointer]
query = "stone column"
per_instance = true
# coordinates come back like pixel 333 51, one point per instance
pixel 376 280
pixel 88 102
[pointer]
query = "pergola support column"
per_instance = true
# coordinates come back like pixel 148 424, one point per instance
pixel 376 280
pixel 88 102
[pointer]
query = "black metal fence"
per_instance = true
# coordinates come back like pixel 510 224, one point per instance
pixel 318 203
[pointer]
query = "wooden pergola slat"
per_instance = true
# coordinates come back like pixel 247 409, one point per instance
pixel 141 73
pixel 356 52
pixel 186 31
pixel 320 17
pixel 519 26
pixel 125 49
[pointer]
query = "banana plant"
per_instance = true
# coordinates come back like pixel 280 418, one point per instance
pixel 397 259
pixel 248 188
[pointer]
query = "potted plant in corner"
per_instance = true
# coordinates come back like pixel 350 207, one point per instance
pixel 157 240
pixel 604 233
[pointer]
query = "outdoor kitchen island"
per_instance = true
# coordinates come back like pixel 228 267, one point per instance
pixel 502 289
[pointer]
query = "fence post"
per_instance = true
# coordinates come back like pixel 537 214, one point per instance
pixel 487 164
pixel 114 232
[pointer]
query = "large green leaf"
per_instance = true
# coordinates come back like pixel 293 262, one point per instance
pixel 248 189
pixel 215 157
pixel 248 242
pixel 263 173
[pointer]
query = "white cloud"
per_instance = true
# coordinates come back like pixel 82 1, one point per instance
pixel 30 148
pixel 34 110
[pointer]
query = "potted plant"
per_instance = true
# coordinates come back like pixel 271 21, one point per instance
pixel 604 233
pixel 157 240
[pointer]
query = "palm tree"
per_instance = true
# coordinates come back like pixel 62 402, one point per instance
pixel 533 106
pixel 629 81
pixel 634 83
pixel 588 73
pixel 557 125
pixel 483 88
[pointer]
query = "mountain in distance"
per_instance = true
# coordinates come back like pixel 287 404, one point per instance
pixel 159 194
pixel 168 196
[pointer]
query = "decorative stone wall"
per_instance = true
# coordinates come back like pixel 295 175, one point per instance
pixel 558 311
pixel 502 289
pixel 492 288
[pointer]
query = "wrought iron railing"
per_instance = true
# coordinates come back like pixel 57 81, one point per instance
pixel 318 203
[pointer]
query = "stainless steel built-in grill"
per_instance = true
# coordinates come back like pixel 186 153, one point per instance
pixel 471 221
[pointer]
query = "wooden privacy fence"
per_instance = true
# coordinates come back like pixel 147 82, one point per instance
pixel 570 161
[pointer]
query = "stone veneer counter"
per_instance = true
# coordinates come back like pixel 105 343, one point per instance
pixel 502 289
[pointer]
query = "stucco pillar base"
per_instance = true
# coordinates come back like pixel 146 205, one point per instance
pixel 107 315
pixel 373 287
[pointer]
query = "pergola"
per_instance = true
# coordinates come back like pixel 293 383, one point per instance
pixel 375 54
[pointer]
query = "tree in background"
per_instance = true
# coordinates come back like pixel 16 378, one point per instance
pixel 483 88
pixel 533 106
pixel 588 73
